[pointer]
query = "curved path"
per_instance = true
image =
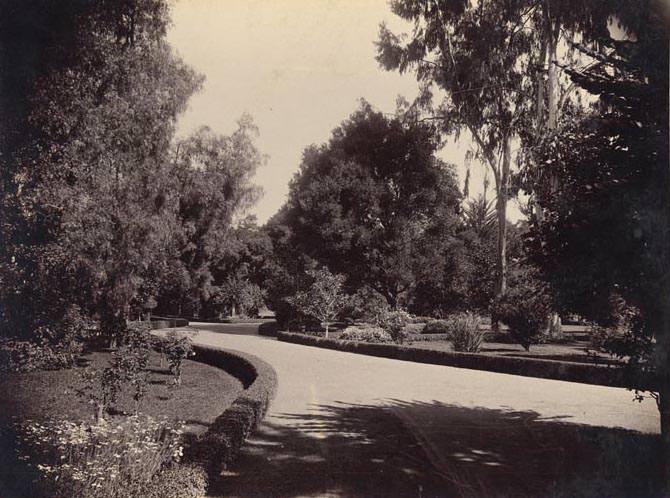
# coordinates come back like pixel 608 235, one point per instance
pixel 350 425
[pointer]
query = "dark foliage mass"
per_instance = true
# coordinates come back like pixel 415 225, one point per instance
pixel 375 205
pixel 100 208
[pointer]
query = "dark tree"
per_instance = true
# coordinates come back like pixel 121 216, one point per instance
pixel 375 204
pixel 603 185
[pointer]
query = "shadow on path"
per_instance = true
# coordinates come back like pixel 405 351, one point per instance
pixel 448 451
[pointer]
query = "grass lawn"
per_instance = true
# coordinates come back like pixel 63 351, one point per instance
pixel 571 350
pixel 205 392
pixel 574 348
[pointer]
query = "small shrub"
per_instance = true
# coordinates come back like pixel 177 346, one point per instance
pixel 130 362
pixel 437 327
pixel 366 305
pixel 524 309
pixel 365 334
pixel 100 388
pixel 466 333
pixel 394 323
pixel 103 461
pixel 177 347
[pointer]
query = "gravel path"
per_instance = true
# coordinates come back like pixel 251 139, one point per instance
pixel 344 424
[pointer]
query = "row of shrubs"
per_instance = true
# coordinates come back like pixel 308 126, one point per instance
pixel 463 329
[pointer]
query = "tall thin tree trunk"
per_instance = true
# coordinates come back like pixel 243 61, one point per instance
pixel 501 210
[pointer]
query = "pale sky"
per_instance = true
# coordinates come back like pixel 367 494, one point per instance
pixel 298 67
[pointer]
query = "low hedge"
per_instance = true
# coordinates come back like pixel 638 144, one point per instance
pixel 167 323
pixel 529 367
pixel 221 443
pixel 428 337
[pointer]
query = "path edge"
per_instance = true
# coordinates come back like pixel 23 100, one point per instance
pixel 220 445
pixel 602 375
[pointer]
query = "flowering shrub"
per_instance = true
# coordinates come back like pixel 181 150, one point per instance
pixel 365 334
pixel 466 333
pixel 177 348
pixel 109 460
pixel 394 323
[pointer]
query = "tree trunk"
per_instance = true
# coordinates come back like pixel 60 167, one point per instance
pixel 552 81
pixel 326 324
pixel 501 210
pixel 100 413
pixel 664 409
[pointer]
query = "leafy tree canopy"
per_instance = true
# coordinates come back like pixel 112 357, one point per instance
pixel 374 203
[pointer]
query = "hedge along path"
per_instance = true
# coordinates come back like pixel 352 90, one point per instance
pixel 584 373
pixel 218 447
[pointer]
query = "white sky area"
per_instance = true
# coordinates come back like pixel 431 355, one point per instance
pixel 298 67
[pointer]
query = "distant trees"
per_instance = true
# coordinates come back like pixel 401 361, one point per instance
pixel 375 204
pixel 211 177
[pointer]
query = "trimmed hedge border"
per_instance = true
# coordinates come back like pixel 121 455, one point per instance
pixel 214 450
pixel 583 373
pixel 221 443
pixel 168 323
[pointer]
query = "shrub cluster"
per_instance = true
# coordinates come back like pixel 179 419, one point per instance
pixel 25 356
pixel 394 322
pixel 437 327
pixel 524 309
pixel 466 333
pixel 122 459
pixel 365 334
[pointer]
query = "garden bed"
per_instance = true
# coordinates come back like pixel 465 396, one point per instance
pixel 222 398
pixel 44 394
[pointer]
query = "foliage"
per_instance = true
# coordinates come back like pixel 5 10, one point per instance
pixel 625 336
pixel 183 481
pixel 437 327
pixel 324 299
pixel 366 305
pixel 365 334
pixel 466 332
pixel 394 323
pixel 26 356
pixel 218 447
pixel 212 181
pixel 237 295
pixel 115 459
pixel 375 203
pixel 177 348
pixel 100 388
pixel 524 309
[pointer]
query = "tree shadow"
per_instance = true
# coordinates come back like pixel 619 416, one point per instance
pixel 416 449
